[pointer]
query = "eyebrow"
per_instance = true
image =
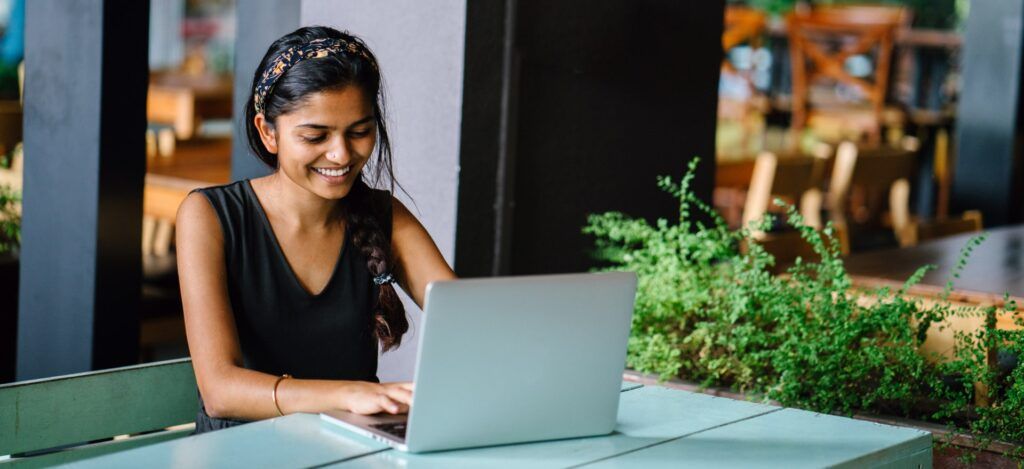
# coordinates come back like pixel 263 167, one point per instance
pixel 324 127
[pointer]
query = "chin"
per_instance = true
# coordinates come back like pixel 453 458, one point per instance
pixel 332 192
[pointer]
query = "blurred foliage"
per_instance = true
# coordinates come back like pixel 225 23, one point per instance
pixel 10 220
pixel 932 14
pixel 9 81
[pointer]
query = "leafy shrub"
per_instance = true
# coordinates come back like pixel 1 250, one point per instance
pixel 10 219
pixel 709 309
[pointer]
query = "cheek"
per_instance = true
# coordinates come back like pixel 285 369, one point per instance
pixel 364 147
pixel 295 155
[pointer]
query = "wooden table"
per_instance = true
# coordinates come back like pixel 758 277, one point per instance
pixel 658 427
pixel 184 101
pixel 994 268
pixel 205 160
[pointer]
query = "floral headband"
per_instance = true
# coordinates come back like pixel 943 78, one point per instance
pixel 315 49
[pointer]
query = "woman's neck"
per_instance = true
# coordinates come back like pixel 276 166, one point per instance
pixel 296 206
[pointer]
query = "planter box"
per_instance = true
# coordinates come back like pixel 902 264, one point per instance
pixel 941 336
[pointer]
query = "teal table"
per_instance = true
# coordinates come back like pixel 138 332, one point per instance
pixel 658 427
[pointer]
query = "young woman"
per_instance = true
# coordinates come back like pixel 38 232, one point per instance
pixel 288 280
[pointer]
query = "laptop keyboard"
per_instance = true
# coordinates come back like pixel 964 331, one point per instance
pixel 397 428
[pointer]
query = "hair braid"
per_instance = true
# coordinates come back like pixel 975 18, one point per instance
pixel 388 319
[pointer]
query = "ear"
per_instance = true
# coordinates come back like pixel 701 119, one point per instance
pixel 268 134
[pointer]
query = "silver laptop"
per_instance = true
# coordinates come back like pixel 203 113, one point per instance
pixel 510 360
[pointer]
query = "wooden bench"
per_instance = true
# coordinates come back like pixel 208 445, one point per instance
pixel 69 418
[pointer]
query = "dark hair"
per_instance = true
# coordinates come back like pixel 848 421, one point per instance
pixel 361 208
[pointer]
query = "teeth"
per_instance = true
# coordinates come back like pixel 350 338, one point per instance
pixel 333 172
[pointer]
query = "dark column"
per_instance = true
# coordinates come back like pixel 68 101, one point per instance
pixel 486 177
pixel 592 102
pixel 988 168
pixel 85 120
pixel 260 22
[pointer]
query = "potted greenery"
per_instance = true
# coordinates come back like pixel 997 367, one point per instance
pixel 711 312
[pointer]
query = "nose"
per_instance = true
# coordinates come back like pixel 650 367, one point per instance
pixel 338 153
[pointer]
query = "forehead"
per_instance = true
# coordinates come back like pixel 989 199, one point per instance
pixel 338 107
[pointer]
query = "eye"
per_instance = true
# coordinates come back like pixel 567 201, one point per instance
pixel 314 139
pixel 358 133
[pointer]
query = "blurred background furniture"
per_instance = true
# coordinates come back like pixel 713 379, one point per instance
pixel 741 106
pixel 161 324
pixel 185 101
pixel 823 44
pixel 794 181
pixel 868 194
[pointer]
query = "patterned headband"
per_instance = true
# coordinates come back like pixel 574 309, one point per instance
pixel 315 49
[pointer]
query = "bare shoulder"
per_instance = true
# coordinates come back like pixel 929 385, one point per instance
pixel 400 214
pixel 196 217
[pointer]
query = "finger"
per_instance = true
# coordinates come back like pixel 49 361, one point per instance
pixel 406 385
pixel 401 395
pixel 388 405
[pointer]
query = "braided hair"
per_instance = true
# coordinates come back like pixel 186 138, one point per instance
pixel 350 65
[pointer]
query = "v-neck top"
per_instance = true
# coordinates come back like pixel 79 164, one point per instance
pixel 282 327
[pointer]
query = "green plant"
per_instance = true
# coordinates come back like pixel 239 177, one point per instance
pixel 10 219
pixel 709 309
pixel 932 14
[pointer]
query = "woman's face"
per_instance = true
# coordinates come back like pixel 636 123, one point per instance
pixel 323 144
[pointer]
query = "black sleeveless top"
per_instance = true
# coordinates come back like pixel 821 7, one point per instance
pixel 282 328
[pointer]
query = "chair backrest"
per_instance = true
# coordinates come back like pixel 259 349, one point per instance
pixel 788 178
pixel 822 40
pixel 74 409
pixel 885 169
pixel 742 25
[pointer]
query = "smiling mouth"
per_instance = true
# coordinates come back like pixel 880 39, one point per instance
pixel 333 172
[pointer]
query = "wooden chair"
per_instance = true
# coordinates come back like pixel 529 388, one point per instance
pixel 890 169
pixel 790 179
pixel 741 111
pixel 68 418
pixel 820 43
pixel 880 170
pixel 742 25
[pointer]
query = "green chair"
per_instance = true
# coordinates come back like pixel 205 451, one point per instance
pixel 73 412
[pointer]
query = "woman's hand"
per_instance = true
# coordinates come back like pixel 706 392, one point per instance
pixel 366 398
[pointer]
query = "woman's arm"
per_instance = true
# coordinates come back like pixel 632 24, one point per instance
pixel 418 259
pixel 228 389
